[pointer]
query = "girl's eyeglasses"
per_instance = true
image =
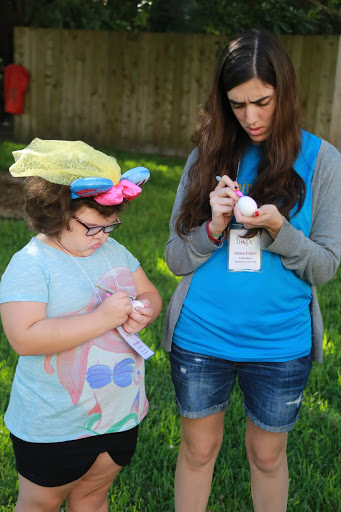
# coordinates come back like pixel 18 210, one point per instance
pixel 94 230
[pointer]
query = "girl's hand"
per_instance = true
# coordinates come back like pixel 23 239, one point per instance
pixel 139 318
pixel 267 217
pixel 114 310
pixel 222 201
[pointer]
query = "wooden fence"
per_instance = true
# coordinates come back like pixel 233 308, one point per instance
pixel 141 91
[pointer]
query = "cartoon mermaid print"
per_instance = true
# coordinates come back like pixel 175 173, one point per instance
pixel 91 372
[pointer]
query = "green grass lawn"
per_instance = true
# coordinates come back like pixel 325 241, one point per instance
pixel 314 448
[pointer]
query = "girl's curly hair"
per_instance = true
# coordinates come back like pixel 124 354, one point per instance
pixel 49 207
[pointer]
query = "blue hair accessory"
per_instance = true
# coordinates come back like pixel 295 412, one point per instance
pixel 89 187
pixel 137 175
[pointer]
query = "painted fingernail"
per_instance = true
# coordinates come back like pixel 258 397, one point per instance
pixel 256 214
pixel 236 187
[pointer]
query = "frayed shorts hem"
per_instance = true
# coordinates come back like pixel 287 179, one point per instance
pixel 269 428
pixel 201 414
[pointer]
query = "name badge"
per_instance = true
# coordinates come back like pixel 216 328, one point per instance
pixel 244 254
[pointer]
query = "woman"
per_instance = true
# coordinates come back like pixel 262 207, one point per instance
pixel 247 305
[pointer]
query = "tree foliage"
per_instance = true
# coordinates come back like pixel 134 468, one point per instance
pixel 200 16
pixel 291 16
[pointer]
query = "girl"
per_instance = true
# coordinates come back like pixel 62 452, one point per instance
pixel 247 303
pixel 78 394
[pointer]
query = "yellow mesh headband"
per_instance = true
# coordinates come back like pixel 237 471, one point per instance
pixel 88 172
pixel 63 162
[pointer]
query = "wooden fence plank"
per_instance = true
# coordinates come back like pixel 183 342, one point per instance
pixel 39 121
pixel 176 124
pixel 186 120
pixel 127 92
pixel 67 104
pixel 100 98
pixel 136 96
pixel 22 123
pixel 335 123
pixel 86 60
pixel 167 55
pixel 52 96
pixel 145 76
pixel 78 78
pixel 153 97
pixel 327 67
pixel 119 86
pixel 157 96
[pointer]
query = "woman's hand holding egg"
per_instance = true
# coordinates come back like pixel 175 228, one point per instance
pixel 267 217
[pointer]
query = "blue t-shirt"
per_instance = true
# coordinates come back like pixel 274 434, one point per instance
pixel 252 316
pixel 95 388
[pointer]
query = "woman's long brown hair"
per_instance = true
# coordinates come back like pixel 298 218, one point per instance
pixel 221 140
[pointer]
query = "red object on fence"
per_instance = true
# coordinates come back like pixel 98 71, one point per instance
pixel 16 79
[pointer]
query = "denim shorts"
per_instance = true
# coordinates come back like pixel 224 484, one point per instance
pixel 272 391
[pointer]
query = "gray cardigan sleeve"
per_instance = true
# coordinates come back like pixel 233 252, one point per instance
pixel 184 256
pixel 316 258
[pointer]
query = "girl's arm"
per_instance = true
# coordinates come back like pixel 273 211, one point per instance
pixel 29 332
pixel 147 293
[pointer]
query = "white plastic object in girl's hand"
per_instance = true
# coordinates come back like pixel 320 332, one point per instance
pixel 137 304
pixel 247 206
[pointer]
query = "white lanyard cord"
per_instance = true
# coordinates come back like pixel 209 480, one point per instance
pixel 82 269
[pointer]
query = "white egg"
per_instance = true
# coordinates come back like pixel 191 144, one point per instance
pixel 247 206
pixel 137 304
